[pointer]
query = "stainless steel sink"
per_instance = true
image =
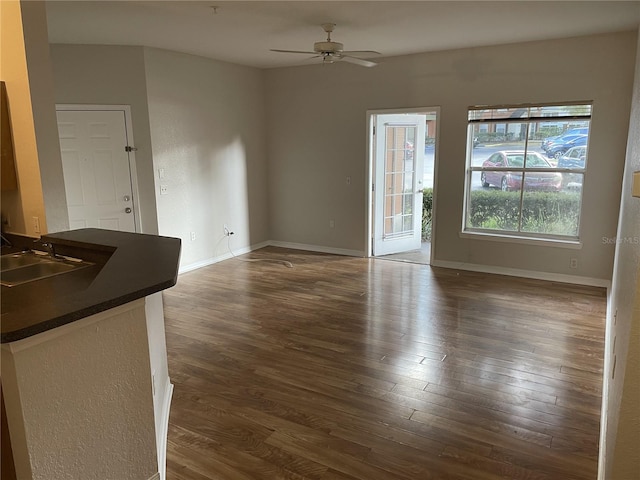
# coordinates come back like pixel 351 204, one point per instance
pixel 8 262
pixel 24 267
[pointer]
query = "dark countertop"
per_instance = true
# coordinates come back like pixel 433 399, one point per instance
pixel 127 266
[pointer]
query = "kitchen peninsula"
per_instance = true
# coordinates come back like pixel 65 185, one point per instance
pixel 84 369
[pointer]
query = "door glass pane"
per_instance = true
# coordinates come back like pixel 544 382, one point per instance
pixel 399 180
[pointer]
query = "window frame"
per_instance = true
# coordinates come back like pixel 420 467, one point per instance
pixel 545 117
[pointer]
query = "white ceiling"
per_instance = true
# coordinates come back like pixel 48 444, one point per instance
pixel 243 31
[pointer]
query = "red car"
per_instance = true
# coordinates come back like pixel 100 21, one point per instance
pixel 508 180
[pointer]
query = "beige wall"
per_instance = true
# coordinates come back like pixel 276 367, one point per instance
pixel 207 133
pixel 621 427
pixel 21 205
pixel 111 75
pixel 199 120
pixel 26 69
pixel 318 136
pixel 34 20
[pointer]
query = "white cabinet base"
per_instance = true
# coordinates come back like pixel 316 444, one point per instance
pixel 79 399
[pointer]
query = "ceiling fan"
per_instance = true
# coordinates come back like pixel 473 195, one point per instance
pixel 331 51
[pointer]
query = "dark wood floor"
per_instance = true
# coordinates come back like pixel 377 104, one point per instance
pixel 348 368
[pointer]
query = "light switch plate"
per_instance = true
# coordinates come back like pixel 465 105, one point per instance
pixel 635 189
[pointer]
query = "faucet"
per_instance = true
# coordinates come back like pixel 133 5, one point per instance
pixel 51 249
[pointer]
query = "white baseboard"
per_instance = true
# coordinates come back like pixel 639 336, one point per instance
pixel 220 258
pixel 162 438
pixel 317 248
pixel 604 413
pixel 270 243
pixel 517 272
pixel 155 476
pixel 472 267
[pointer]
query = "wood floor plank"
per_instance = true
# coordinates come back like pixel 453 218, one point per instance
pixel 502 469
pixel 345 368
pixel 333 459
pixel 540 412
pixel 334 475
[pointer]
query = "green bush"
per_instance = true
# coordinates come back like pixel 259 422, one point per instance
pixel 545 132
pixel 542 212
pixel 493 137
pixel 427 211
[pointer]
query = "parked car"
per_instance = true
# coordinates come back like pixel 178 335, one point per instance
pixel 557 138
pixel 575 157
pixel 558 149
pixel 508 180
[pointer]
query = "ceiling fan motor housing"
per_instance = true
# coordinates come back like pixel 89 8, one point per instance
pixel 329 47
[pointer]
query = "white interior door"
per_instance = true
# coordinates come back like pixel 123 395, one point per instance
pixel 399 158
pixel 96 167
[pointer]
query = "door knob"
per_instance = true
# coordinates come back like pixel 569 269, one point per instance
pixel 127 198
pixel 127 210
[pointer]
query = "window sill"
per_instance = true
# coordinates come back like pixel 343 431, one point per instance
pixel 540 242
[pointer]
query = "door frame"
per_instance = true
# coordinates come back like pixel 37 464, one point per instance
pixel 370 172
pixel 126 109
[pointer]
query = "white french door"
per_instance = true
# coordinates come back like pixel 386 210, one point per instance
pixel 97 172
pixel 399 143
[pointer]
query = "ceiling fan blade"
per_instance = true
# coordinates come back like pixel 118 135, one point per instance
pixel 331 51
pixel 359 53
pixel 293 51
pixel 358 61
pixel 314 60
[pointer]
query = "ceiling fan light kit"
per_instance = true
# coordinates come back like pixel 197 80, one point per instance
pixel 328 47
pixel 331 51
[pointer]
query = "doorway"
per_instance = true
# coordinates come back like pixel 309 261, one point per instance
pixel 99 167
pixel 402 164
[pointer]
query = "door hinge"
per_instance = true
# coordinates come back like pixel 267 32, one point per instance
pixel 374 129
pixel 130 149
pixel 373 187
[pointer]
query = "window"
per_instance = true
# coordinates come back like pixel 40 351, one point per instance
pixel 525 170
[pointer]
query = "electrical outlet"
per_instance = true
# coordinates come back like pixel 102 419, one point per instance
pixel 332 223
pixel 164 189
pixel 635 184
pixel 193 236
pixel 573 262
pixel 36 224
